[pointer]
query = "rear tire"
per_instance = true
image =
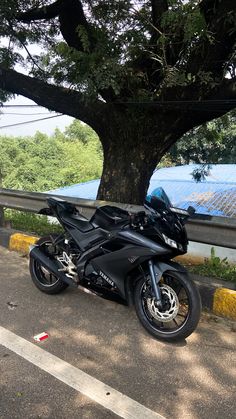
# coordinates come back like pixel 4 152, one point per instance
pixel 182 310
pixel 43 279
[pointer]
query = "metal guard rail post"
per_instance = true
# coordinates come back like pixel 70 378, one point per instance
pixel 218 231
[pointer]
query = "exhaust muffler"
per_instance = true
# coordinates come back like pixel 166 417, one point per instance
pixel 51 265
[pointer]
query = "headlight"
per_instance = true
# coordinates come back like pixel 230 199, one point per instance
pixel 169 241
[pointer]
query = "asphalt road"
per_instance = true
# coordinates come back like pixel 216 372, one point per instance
pixel 194 379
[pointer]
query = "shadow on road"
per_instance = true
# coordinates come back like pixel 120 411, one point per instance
pixel 192 379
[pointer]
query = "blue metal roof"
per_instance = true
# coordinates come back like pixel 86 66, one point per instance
pixel 216 195
pixel 223 173
pixel 86 190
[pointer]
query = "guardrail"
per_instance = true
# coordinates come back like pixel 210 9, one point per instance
pixel 218 231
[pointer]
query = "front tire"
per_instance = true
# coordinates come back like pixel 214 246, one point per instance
pixel 41 277
pixel 181 310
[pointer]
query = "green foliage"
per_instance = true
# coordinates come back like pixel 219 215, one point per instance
pixel 83 35
pixel 200 174
pixel 166 161
pixel 31 223
pixel 41 163
pixel 77 131
pixel 216 267
pixel 211 143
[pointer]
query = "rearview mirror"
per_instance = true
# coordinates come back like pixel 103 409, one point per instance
pixel 191 210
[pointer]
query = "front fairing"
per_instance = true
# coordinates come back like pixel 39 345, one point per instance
pixel 139 239
pixel 170 227
pixel 166 223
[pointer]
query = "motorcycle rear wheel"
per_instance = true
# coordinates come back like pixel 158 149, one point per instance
pixel 41 277
pixel 181 310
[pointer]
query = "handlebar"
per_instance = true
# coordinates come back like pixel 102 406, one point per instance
pixel 139 219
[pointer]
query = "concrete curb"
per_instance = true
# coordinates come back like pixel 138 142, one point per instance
pixel 217 296
pixel 16 240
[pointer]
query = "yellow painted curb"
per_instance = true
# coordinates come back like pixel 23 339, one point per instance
pixel 224 303
pixel 20 242
pixel 190 259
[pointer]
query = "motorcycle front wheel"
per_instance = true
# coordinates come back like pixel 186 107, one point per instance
pixel 181 306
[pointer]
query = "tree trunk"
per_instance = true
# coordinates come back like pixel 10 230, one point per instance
pixel 133 144
pixel 130 157
pixel 126 174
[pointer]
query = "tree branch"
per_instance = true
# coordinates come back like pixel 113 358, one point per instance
pixel 199 113
pixel 217 48
pixel 46 12
pixel 144 62
pixel 208 7
pixel 189 115
pixel 71 16
pixel 158 8
pixel 226 90
pixel 55 98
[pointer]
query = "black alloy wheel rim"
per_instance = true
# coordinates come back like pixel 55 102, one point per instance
pixel 184 306
pixel 46 278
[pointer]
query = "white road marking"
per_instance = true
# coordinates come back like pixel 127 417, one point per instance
pixel 96 390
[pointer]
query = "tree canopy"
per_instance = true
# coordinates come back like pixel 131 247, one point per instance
pixel 141 73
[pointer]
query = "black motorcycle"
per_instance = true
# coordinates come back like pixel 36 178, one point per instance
pixel 123 256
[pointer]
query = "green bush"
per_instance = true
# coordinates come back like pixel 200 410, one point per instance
pixel 42 163
pixel 216 267
pixel 31 223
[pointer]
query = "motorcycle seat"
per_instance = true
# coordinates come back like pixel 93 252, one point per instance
pixel 77 221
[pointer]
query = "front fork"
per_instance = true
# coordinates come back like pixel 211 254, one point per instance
pixel 155 279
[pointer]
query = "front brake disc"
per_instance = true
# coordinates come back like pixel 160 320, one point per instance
pixel 164 315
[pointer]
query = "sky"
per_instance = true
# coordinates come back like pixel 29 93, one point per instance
pixel 9 116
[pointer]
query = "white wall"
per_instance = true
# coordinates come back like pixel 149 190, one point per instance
pixel 204 251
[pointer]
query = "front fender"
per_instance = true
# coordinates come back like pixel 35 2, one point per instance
pixel 160 268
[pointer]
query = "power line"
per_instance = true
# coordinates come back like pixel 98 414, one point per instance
pixel 181 102
pixel 21 106
pixel 23 114
pixel 29 122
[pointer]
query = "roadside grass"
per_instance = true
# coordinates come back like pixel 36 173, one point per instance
pixel 30 223
pixel 215 267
